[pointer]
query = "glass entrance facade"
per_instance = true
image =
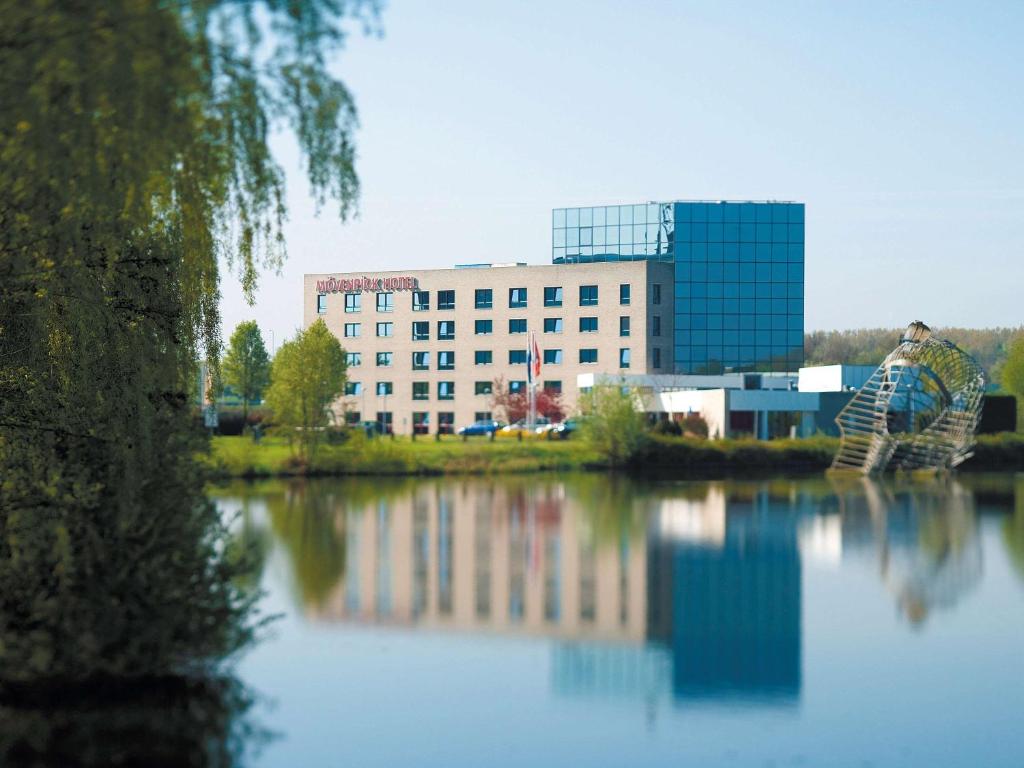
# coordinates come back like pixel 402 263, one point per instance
pixel 739 274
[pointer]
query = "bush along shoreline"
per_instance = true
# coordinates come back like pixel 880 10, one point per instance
pixel 655 455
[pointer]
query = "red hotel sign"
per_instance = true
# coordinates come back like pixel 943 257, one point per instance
pixel 372 284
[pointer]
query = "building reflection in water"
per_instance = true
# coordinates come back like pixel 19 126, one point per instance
pixel 688 591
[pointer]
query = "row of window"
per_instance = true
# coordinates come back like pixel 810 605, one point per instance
pixel 733 290
pixel 446 360
pixel 679 213
pixel 446 389
pixel 483 298
pixel 446 328
pixel 717 322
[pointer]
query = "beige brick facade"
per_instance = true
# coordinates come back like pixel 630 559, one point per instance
pixel 646 280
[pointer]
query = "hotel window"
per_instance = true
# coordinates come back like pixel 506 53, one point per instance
pixel 385 388
pixel 446 390
pixel 384 421
pixel 624 357
pixel 515 387
pixel 516 298
pixel 656 293
pixel 383 359
pixel 421 390
pixel 420 301
pixel 483 388
pixel 553 356
pixel 445 422
pixel 588 325
pixel 588 295
pixel 421 330
pixel 553 296
pixel 321 304
pixel 588 356
pixel 483 357
pixel 483 327
pixel 624 326
pixel 656 358
pixel 517 357
pixel 446 361
pixel 552 325
pixel 656 325
pixel 483 298
pixel 353 388
pixel 352 359
pixel 553 386
pixel 385 302
pixel 517 326
pixel 352 330
pixel 420 361
pixel 420 423
pixel 624 294
pixel 385 329
pixel 352 418
pixel 483 416
pixel 445 330
pixel 446 299
pixel 353 302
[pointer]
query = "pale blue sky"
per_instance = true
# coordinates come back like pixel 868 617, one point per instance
pixel 900 125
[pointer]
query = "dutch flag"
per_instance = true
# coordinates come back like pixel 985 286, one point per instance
pixel 532 360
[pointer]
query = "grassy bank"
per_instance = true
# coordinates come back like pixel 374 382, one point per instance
pixel 665 456
pixel 241 457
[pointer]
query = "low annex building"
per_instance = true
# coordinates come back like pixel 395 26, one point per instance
pixel 426 347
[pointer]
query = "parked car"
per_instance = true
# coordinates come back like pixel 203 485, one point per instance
pixel 480 428
pixel 539 427
pixel 566 429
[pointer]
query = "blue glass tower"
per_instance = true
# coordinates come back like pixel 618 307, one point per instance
pixel 739 274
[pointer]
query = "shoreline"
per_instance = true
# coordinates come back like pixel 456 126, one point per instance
pixel 234 458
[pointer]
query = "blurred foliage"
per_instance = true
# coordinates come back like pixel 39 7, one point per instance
pixel 869 346
pixel 133 158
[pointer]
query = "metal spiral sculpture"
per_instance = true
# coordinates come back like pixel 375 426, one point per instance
pixel 919 409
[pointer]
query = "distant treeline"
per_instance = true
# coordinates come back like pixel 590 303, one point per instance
pixel 868 346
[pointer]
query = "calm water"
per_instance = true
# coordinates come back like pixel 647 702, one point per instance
pixel 594 622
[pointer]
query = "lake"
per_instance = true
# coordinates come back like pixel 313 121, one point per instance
pixel 595 621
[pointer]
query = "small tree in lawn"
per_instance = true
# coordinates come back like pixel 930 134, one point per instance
pixel 246 366
pixel 549 405
pixel 307 376
pixel 513 406
pixel 612 423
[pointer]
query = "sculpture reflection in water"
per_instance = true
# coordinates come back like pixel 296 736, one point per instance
pixel 684 592
pixel 925 535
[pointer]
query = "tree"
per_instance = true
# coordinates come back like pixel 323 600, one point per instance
pixel 307 376
pixel 134 155
pixel 515 406
pixel 1013 368
pixel 246 366
pixel 612 424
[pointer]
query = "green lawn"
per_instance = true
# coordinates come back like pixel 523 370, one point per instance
pixel 241 457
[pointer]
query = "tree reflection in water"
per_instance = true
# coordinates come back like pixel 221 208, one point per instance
pixel 167 721
pixel 1013 528
pixel 183 708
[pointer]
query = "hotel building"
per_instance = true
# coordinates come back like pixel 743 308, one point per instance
pixel 426 347
pixel 654 288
